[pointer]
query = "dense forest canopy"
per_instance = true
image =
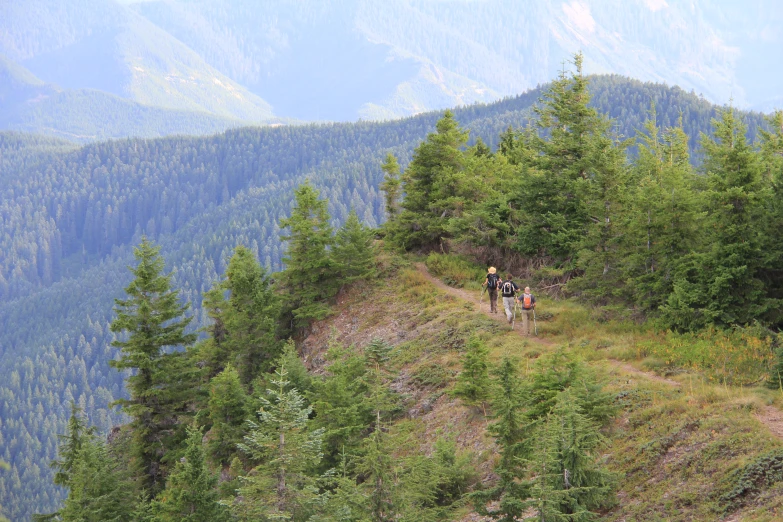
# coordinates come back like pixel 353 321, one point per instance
pixel 70 215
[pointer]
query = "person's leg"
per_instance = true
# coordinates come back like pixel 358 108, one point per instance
pixel 493 300
pixel 526 322
pixel 508 304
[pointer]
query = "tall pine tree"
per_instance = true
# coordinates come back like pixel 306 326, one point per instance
pixel 152 318
pixel 721 283
pixel 309 277
pixel 353 252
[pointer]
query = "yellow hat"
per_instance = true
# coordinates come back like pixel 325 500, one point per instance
pixel 492 270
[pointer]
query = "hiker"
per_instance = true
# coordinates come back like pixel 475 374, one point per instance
pixel 509 289
pixel 528 302
pixel 492 282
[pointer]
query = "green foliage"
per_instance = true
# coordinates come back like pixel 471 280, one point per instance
pixel 391 185
pixel 353 251
pixel 752 479
pixel 227 409
pixel 721 284
pixel 309 277
pixel 570 482
pixel 153 319
pixel 560 372
pixel 190 493
pixel 244 329
pixel 473 384
pixel 509 497
pixel 286 448
pixel 454 270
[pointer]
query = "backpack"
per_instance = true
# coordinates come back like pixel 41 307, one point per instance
pixel 492 281
pixel 527 301
pixel 508 288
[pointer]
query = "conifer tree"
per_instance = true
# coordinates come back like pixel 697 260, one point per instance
pixel 70 444
pixel 353 251
pixel 510 494
pixel 571 152
pixel 3 467
pixel 569 483
pixel 153 318
pixel 473 384
pixel 772 157
pixel 228 409
pixel 391 185
pixel 98 488
pixel 429 186
pixel 250 316
pixel 309 276
pixel 721 284
pixel 190 493
pixel 287 450
pixel 662 220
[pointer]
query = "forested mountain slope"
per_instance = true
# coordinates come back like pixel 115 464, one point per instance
pixel 69 216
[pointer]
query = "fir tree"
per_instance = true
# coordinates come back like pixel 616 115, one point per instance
pixel 154 321
pixel 70 444
pixel 473 384
pixel 510 494
pixel 353 251
pixel 772 158
pixel 227 409
pixel 309 277
pixel 3 467
pixel 250 316
pixel 663 217
pixel 569 482
pixel 287 449
pixel 572 153
pixel 391 185
pixel 721 284
pixel 98 488
pixel 190 493
pixel 429 186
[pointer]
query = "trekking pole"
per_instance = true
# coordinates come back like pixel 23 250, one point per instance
pixel 535 326
pixel 483 289
pixel 514 317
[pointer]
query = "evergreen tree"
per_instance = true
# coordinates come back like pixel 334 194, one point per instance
pixel 250 316
pixel 287 449
pixel 99 491
pixel 353 251
pixel 473 384
pixel 70 444
pixel 153 319
pixel 772 157
pixel 429 185
pixel 571 153
pixel 190 493
pixel 309 277
pixel 511 492
pixel 721 284
pixel 569 482
pixel 663 217
pixel 3 467
pixel 391 185
pixel 227 409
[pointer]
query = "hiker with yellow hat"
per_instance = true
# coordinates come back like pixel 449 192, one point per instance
pixel 492 283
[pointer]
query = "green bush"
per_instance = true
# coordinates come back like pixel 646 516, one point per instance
pixel 455 270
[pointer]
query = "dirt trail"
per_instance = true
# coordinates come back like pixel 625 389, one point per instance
pixel 769 416
pixel 470 297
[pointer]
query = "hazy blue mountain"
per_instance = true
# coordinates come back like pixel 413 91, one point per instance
pixel 377 59
pixel 371 59
pixel 105 46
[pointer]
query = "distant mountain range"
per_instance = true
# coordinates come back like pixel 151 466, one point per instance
pixel 95 69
